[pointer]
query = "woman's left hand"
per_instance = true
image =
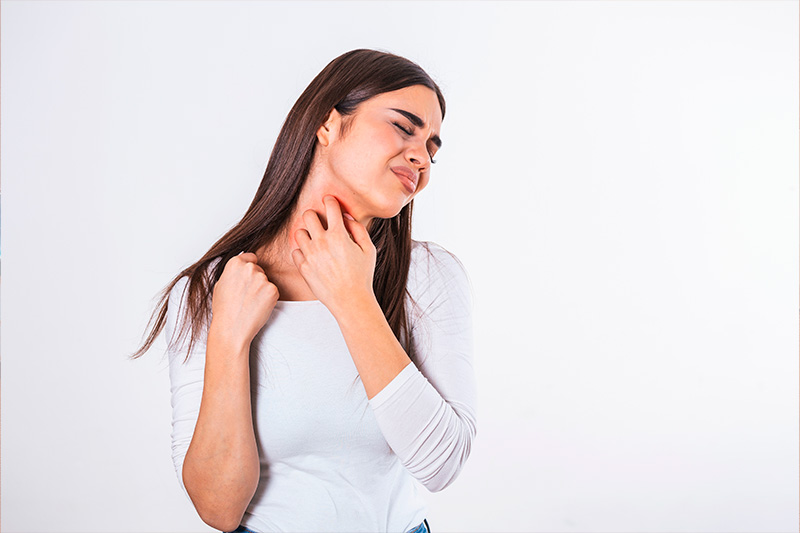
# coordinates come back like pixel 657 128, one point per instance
pixel 337 268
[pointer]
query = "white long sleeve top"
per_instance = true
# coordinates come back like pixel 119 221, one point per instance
pixel 332 460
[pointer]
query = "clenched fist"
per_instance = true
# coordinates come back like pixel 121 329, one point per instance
pixel 243 300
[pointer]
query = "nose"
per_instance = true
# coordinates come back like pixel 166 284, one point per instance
pixel 417 155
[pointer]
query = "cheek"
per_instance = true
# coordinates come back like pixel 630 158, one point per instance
pixel 387 140
pixel 351 165
pixel 423 182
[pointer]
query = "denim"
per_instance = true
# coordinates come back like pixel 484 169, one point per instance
pixel 422 528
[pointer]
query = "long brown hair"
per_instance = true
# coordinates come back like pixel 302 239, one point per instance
pixel 343 84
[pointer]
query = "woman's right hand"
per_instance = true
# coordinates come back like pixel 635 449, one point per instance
pixel 243 299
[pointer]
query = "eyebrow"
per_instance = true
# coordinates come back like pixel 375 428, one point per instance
pixel 418 122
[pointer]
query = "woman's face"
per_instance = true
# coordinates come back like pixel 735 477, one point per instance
pixel 384 158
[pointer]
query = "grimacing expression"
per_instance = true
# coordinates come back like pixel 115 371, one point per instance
pixel 384 158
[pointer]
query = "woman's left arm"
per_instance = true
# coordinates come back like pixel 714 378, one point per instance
pixel 430 425
pixel 428 414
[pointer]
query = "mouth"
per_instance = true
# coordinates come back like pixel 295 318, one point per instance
pixel 407 178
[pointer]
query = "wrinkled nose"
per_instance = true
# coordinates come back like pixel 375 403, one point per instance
pixel 418 156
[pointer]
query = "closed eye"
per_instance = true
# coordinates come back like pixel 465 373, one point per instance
pixel 404 130
pixel 411 132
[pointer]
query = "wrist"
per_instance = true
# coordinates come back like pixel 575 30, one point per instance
pixel 225 336
pixel 355 307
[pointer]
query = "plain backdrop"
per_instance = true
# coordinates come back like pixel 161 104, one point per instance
pixel 620 180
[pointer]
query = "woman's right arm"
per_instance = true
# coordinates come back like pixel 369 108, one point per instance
pixel 220 470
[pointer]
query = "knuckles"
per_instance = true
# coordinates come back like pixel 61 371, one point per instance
pixel 270 291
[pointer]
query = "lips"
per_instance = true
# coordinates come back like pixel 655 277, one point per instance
pixel 407 177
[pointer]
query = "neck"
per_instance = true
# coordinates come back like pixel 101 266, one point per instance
pixel 318 184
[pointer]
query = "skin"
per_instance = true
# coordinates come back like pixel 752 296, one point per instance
pixel 325 254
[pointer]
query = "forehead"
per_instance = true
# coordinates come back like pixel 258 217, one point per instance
pixel 416 99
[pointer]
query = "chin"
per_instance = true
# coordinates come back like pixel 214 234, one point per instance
pixel 389 208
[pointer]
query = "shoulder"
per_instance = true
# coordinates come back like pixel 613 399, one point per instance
pixel 432 258
pixel 178 295
pixel 178 314
pixel 435 269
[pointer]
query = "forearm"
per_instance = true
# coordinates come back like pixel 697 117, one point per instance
pixel 376 352
pixel 221 468
pixel 432 437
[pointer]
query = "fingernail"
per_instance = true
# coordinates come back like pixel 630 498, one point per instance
pixel 347 216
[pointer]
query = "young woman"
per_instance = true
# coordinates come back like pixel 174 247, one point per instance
pixel 328 368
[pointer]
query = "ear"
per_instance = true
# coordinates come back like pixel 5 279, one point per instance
pixel 328 131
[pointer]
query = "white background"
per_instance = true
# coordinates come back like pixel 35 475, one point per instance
pixel 619 178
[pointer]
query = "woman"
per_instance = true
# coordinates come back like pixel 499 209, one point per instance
pixel 317 288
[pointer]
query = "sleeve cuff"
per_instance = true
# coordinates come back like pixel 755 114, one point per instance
pixel 393 386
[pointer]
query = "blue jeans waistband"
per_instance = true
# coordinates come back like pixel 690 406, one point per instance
pixel 422 528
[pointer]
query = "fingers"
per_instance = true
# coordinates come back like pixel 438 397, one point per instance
pixel 333 211
pixel 247 260
pixel 298 258
pixel 302 237
pixel 248 257
pixel 312 222
pixel 333 214
pixel 359 233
